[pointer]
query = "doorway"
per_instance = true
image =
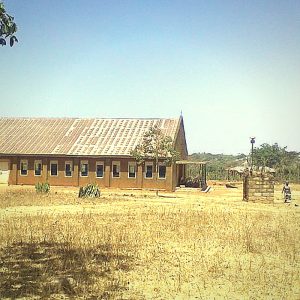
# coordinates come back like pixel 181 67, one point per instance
pixel 4 172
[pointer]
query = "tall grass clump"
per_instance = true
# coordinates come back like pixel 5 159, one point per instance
pixel 91 190
pixel 42 188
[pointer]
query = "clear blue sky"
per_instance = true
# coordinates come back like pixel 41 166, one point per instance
pixel 232 67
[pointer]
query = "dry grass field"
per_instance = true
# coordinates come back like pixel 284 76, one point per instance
pixel 134 245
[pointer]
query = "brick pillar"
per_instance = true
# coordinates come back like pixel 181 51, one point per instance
pixel 45 170
pixel 169 178
pixel 76 171
pixel 259 187
pixel 107 175
pixel 140 176
pixel 13 174
pixel 174 177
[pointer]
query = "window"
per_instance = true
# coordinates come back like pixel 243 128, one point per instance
pixel 131 169
pixel 148 170
pixel 53 168
pixel 84 170
pixel 68 168
pixel 24 167
pixel 116 169
pixel 37 168
pixel 161 171
pixel 99 169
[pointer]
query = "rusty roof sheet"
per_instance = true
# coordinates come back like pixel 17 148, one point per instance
pixel 83 137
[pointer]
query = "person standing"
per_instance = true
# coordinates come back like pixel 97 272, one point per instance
pixel 286 190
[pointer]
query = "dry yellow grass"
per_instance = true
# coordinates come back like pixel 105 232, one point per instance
pixel 133 245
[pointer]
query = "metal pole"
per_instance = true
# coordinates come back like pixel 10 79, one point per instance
pixel 252 141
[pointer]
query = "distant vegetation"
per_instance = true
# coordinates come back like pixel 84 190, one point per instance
pixel 217 164
pixel 286 163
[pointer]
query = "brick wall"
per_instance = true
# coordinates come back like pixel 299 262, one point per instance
pixel 258 187
pixel 76 179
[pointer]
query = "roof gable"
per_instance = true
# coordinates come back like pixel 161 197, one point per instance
pixel 73 136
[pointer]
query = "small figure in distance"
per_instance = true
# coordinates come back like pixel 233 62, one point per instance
pixel 286 190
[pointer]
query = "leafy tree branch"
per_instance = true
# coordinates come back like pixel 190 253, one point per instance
pixel 8 27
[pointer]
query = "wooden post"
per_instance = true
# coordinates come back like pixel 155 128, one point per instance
pixel 203 177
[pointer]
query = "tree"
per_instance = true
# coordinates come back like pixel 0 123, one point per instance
pixel 155 146
pixel 7 27
pixel 285 162
pixel 268 155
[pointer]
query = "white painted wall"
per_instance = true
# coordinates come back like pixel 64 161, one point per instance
pixel 4 172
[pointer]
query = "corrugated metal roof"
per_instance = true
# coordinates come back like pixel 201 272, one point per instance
pixel 68 136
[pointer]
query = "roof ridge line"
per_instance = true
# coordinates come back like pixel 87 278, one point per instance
pixel 87 118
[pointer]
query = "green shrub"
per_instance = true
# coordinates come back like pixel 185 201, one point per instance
pixel 42 188
pixel 91 190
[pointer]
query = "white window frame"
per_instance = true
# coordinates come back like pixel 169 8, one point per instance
pixel 84 162
pixel 148 163
pixel 53 162
pixel 69 162
pixel 38 161
pixel 23 161
pixel 160 164
pixel 132 163
pixel 117 163
pixel 99 163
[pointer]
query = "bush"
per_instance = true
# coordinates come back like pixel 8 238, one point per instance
pixel 42 188
pixel 90 190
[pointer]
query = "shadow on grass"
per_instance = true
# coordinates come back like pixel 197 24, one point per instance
pixel 48 269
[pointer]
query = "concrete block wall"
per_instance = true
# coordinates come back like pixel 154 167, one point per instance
pixel 259 187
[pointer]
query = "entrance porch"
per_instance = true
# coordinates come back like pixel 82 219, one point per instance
pixel 191 174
